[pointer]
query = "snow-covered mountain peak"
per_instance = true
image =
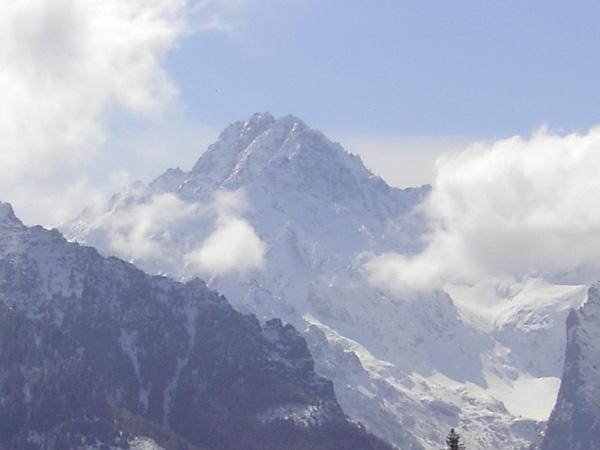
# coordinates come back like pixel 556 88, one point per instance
pixel 397 363
pixel 253 124
pixel 283 149
pixel 232 141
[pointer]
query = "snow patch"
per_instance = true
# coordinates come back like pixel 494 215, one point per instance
pixel 144 443
pixel 304 415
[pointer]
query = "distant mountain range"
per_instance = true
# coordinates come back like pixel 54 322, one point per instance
pixel 95 354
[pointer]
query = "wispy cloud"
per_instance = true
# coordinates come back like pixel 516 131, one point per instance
pixel 516 207
pixel 218 15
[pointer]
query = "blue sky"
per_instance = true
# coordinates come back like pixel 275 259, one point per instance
pixel 478 69
pixel 99 93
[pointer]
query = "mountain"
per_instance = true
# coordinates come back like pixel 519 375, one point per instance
pixel 281 220
pixel 575 421
pixel 95 353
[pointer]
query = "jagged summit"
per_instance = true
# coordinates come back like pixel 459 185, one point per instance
pixel 8 217
pixel 256 122
pixel 237 136
pixel 263 143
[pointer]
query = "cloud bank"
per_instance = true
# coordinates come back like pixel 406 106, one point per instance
pixel 68 67
pixel 516 207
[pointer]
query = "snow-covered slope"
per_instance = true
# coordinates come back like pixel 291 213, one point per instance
pixel 308 215
pixel 575 421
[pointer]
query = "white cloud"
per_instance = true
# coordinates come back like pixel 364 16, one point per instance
pixel 66 62
pixel 147 230
pixel 516 207
pixel 233 245
pixel 67 67
pixel 155 230
pixel 241 19
pixel 219 15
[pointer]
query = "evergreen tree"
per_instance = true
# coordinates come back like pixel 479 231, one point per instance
pixel 453 441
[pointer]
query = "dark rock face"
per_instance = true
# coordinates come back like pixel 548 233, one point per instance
pixel 575 421
pixel 94 353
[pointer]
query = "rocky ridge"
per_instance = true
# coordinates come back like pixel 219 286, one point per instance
pixel 95 353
